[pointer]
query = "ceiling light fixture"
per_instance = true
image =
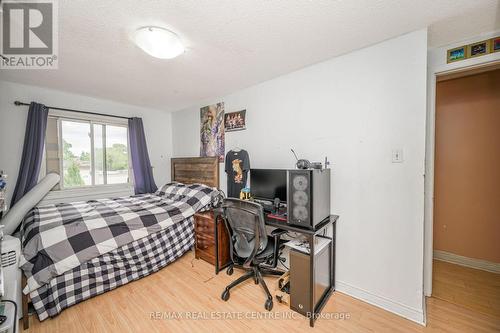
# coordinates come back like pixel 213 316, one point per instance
pixel 158 42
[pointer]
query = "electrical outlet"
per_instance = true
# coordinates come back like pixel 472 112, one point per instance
pixel 397 156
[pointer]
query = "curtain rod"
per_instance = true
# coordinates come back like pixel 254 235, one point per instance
pixel 73 110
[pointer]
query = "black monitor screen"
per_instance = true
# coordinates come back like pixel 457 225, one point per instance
pixel 268 184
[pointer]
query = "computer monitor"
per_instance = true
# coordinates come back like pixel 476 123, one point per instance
pixel 267 184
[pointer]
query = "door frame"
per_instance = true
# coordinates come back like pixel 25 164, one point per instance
pixel 437 68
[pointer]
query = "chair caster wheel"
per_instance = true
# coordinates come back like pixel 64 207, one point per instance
pixel 256 280
pixel 269 305
pixel 230 270
pixel 225 295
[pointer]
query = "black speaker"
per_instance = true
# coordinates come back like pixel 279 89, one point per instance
pixel 308 197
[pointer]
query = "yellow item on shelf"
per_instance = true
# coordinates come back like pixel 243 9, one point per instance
pixel 245 194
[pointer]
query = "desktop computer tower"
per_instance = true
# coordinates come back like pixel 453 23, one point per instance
pixel 301 275
pixel 308 196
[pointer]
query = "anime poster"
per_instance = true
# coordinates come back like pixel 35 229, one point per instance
pixel 212 131
pixel 235 121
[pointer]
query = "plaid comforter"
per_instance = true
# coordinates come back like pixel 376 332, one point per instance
pixel 57 238
pixel 111 270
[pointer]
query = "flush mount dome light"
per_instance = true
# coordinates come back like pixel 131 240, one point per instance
pixel 159 42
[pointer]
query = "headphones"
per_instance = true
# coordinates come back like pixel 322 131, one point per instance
pixel 302 163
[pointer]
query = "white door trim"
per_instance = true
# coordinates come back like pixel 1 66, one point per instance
pixel 436 62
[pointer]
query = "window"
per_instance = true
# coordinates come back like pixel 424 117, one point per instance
pixel 87 152
pixel 75 146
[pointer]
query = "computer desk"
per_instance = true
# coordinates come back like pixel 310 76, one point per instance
pixel 310 234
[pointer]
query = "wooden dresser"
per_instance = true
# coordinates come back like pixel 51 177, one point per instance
pixel 211 240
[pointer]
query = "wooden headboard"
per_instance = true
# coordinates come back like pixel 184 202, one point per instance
pixel 190 170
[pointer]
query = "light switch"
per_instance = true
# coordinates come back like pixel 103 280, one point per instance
pixel 397 156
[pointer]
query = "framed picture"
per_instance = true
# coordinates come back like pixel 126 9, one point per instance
pixel 235 121
pixel 495 44
pixel 478 49
pixel 212 131
pixel 457 54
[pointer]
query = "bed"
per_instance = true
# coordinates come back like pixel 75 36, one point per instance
pixel 72 252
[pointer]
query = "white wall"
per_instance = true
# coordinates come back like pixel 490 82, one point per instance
pixel 355 109
pixel 157 125
pixel 437 65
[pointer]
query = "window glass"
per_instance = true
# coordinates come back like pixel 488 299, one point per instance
pixel 76 152
pixel 87 153
pixel 116 154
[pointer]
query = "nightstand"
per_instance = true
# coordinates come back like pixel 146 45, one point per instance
pixel 211 240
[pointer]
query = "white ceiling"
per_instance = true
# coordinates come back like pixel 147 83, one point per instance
pixel 231 44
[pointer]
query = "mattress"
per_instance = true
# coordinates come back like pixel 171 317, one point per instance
pixel 106 272
pixel 59 237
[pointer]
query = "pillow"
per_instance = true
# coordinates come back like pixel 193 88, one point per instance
pixel 182 192
pixel 171 188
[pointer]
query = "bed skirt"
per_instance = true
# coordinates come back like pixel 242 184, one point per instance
pixel 127 263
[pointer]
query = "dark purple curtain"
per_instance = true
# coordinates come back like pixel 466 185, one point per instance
pixel 143 174
pixel 31 160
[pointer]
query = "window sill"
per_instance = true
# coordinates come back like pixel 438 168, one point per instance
pixel 87 193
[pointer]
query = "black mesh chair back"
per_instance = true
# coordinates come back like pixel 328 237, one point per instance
pixel 246 227
pixel 251 249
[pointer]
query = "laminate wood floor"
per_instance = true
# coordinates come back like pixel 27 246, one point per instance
pixel 189 286
pixel 473 289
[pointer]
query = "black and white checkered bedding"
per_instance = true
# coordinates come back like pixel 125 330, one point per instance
pixel 57 238
pixel 113 269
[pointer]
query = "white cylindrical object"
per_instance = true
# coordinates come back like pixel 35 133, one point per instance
pixel 15 215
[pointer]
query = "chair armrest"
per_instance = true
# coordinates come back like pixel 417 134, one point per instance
pixel 277 233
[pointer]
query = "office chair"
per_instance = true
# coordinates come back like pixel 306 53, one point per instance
pixel 251 249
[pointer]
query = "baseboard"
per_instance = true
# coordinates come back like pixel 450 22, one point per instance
pixel 415 315
pixel 467 262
